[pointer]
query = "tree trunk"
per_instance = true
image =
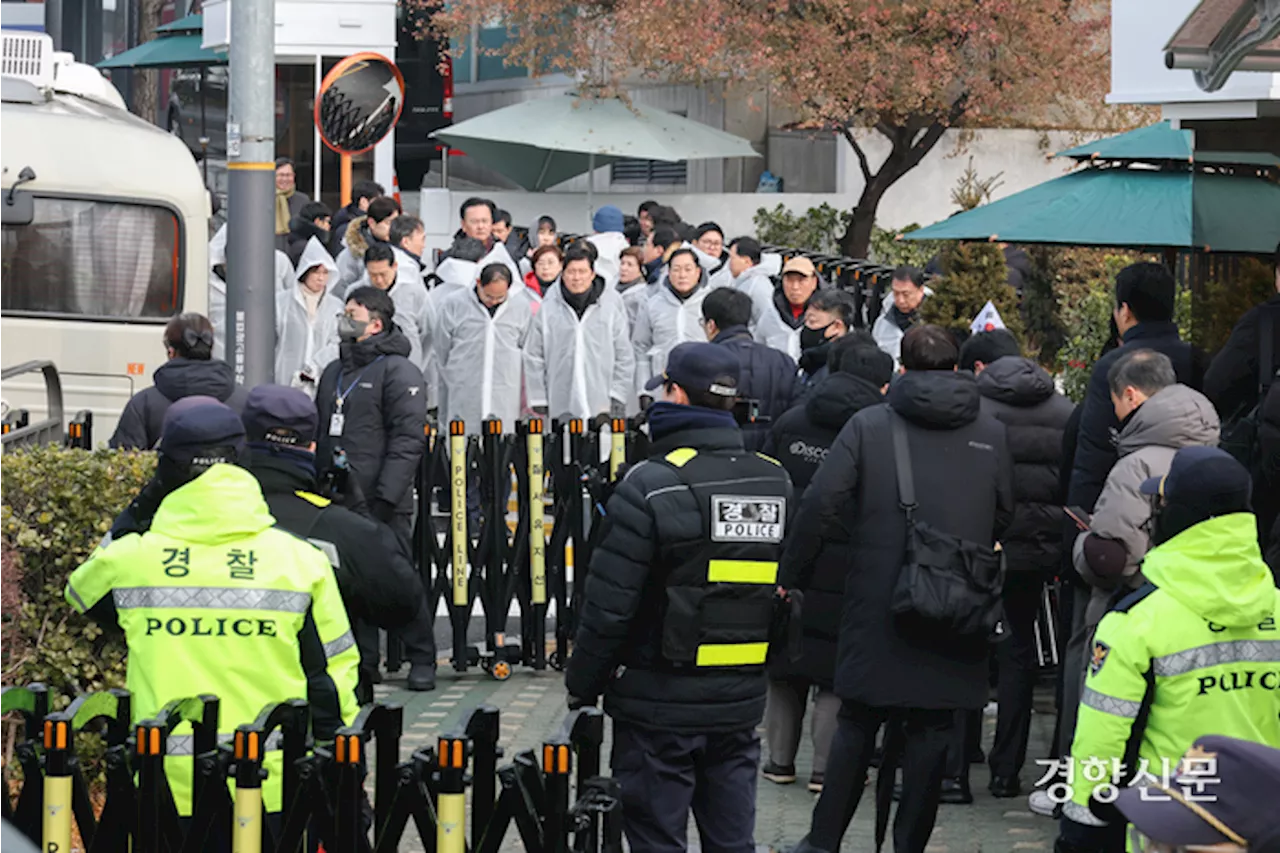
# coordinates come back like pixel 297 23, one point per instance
pixel 915 137
pixel 146 84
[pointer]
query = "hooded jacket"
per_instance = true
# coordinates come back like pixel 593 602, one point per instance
pixel 963 485
pixel 384 418
pixel 300 233
pixel 1021 395
pixel 1095 453
pixel 305 344
pixel 356 242
pixel 1172 418
pixel 663 321
pixel 215 599
pixel 801 440
pixel 755 282
pixel 1191 652
pixel 610 245
pixel 143 418
pixel 778 327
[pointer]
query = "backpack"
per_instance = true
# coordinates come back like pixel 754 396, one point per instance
pixel 1241 437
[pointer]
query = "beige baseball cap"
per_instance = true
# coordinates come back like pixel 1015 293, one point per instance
pixel 804 266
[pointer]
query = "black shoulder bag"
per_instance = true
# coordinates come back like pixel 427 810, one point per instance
pixel 948 587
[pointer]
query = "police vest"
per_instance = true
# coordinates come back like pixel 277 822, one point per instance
pixel 720 586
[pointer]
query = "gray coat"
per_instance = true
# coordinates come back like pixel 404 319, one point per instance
pixel 1170 419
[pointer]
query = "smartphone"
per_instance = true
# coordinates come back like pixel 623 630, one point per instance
pixel 1082 519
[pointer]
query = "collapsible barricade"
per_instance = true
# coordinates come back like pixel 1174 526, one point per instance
pixel 482 554
pixel 324 792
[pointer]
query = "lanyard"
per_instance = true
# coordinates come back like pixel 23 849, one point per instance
pixel 342 396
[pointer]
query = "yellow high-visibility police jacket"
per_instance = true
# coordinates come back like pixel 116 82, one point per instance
pixel 215 599
pixel 1195 652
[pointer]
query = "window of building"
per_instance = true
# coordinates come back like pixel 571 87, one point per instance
pixel 97 259
pixel 629 171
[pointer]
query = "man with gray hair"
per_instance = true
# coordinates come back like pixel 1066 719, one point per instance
pixel 1157 417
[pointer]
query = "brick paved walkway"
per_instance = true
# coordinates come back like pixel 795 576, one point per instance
pixel 532 707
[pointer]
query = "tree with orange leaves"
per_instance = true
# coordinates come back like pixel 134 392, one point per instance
pixel 906 70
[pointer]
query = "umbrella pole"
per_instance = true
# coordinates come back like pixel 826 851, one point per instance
pixel 444 168
pixel 591 183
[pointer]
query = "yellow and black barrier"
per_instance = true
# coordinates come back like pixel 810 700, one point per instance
pixel 497 546
pixel 323 786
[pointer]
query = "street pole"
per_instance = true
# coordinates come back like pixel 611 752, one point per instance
pixel 251 193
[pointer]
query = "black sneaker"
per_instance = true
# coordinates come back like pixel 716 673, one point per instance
pixel 778 774
pixel 815 783
pixel 422 677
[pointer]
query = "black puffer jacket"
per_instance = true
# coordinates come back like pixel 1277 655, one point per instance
pixel 963 486
pixel 384 416
pixel 764 374
pixel 618 648
pixel 143 417
pixel 800 441
pixel 1020 394
pixel 377 578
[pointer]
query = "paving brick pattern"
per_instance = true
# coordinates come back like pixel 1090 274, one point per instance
pixel 532 708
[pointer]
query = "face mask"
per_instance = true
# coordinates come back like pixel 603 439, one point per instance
pixel 810 338
pixel 350 329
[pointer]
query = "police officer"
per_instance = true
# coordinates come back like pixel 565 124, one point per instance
pixel 1192 652
pixel 215 599
pixel 678 607
pixel 375 572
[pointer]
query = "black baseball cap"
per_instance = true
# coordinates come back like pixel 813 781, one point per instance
pixel 278 415
pixel 201 430
pixel 696 366
pixel 1207 479
pixel 1236 807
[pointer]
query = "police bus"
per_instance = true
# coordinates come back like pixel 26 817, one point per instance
pixel 105 235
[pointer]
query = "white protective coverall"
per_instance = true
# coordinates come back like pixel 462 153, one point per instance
pixel 663 321
pixel 305 343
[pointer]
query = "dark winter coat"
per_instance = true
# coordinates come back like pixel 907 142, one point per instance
pixel 1232 380
pixel 342 219
pixel 385 416
pixel 963 485
pixel 618 648
pixel 1020 394
pixel 800 441
pixel 764 374
pixel 376 575
pixel 1095 442
pixel 300 233
pixel 143 417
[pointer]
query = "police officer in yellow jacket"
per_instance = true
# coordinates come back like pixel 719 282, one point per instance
pixel 1195 651
pixel 677 613
pixel 213 598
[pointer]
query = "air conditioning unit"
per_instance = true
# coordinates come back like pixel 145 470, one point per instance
pixel 28 56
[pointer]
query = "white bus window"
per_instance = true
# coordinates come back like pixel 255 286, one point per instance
pixel 93 259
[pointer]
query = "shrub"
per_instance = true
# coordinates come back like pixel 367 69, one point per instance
pixel 973 274
pixel 888 249
pixel 57 505
pixel 818 229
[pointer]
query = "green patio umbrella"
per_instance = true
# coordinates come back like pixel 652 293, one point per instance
pixel 1139 207
pixel 176 45
pixel 1161 143
pixel 546 141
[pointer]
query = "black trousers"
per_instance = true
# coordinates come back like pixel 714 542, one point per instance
pixel 1016 668
pixel 418 636
pixel 925 735
pixel 665 774
pixel 965 742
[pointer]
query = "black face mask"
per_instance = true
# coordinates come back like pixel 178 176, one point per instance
pixel 810 338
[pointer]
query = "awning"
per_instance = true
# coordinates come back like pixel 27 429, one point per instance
pixel 1223 36
pixel 167 51
pixel 189 24
pixel 1158 143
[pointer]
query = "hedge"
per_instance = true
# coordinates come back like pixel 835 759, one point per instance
pixel 57 505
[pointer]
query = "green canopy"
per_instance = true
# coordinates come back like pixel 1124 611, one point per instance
pixel 1158 141
pixel 189 24
pixel 545 141
pixel 181 50
pixel 1132 207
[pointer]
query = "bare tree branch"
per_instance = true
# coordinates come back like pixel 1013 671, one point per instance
pixel 857 149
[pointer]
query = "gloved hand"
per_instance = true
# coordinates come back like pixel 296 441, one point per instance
pixel 576 702
pixel 383 510
pixel 645 402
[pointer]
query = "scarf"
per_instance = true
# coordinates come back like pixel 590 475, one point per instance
pixel 282 211
pixel 666 418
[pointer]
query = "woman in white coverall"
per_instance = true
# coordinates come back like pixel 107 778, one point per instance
pixel 307 321
pixel 671 315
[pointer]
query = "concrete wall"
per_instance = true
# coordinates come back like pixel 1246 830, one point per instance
pixel 922 197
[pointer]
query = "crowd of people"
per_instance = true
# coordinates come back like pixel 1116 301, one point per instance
pixel 869 469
